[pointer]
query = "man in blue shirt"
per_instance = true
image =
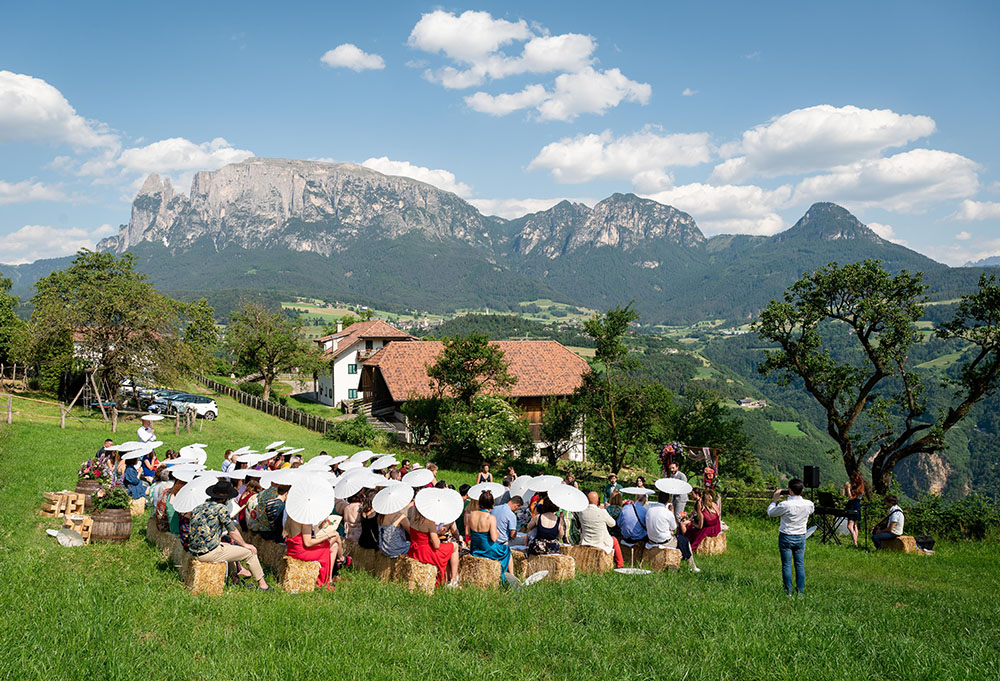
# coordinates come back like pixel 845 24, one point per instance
pixel 507 519
pixel 632 522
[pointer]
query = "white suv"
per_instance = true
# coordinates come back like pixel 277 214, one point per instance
pixel 203 406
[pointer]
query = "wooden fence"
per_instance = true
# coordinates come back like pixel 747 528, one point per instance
pixel 283 412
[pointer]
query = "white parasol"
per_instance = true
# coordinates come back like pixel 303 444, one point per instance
pixel 322 461
pixel 393 498
pixel 275 444
pixel 154 444
pixel 338 459
pixel 310 501
pixel 569 498
pixel 193 494
pixel 183 475
pixel 495 488
pixel 198 453
pixel 349 485
pixel 419 478
pixel 191 466
pixel 382 462
pixel 363 455
pixel 348 465
pixel 641 491
pixel 134 454
pixel 129 446
pixel 151 417
pixel 672 486
pixel 543 483
pixel 521 486
pixel 439 505
pixel 252 458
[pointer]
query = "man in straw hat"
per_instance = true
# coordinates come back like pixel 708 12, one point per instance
pixel 209 521
pixel 146 433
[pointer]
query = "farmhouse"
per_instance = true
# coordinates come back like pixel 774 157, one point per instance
pixel 344 351
pixel 750 403
pixel 543 369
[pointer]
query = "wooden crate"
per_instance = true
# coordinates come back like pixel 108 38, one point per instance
pixel 79 523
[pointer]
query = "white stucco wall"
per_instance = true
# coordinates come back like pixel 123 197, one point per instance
pixel 339 382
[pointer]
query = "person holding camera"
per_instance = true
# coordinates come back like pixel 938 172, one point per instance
pixel 794 515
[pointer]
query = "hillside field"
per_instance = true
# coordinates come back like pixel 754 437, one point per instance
pixel 120 612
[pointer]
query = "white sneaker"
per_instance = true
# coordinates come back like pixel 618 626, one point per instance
pixel 696 569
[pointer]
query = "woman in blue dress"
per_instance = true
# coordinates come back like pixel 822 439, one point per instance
pixel 482 528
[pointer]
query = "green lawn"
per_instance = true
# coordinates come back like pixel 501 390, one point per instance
pixel 120 612
pixel 942 362
pixel 789 428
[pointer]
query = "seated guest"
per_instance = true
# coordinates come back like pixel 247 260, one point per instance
pixel 463 491
pixel 632 522
pixel 892 526
pixel 393 534
pixel 426 547
pixel 257 520
pixel 511 474
pixel 350 509
pixel 132 480
pixel 549 529
pixel 157 498
pixel 660 525
pixel 247 492
pixel 615 504
pixel 707 521
pixel 305 542
pixel 594 524
pixel 274 509
pixel 484 535
pixel 149 466
pixel 227 461
pixel 368 539
pixel 506 515
pixel 209 521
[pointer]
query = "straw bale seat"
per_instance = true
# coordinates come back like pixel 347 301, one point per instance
pixel 375 563
pixel 660 558
pixel 412 574
pixel 200 577
pixel 712 546
pixel 901 544
pixel 269 553
pixel 164 541
pixel 478 571
pixel 561 567
pixel 591 560
pixel 632 555
pixel 137 507
pixel 298 576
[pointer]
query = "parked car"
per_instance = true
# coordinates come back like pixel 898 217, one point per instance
pixel 181 402
pixel 163 401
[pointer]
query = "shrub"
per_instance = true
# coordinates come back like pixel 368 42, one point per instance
pixel 113 497
pixel 358 431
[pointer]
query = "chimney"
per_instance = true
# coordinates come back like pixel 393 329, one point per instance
pixel 340 325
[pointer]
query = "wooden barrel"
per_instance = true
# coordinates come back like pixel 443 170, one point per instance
pixel 88 487
pixel 111 525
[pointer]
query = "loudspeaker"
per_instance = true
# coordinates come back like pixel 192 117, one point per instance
pixel 810 476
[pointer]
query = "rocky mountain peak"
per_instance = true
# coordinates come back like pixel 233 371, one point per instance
pixel 829 222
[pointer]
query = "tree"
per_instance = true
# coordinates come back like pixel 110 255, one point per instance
pixel 104 315
pixel 560 425
pixel 10 324
pixel 625 415
pixel 267 342
pixel 702 420
pixel 847 333
pixel 200 335
pixel 468 365
pixel 485 429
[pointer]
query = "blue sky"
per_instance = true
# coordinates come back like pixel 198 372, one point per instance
pixel 742 114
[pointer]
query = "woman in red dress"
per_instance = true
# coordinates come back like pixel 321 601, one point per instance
pixel 303 542
pixel 707 521
pixel 427 547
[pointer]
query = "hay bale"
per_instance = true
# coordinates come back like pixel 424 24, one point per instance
pixel 902 544
pixel 660 558
pixel 712 546
pixel 591 560
pixel 478 571
pixel 137 507
pixel 203 578
pixel 298 576
pixel 269 553
pixel 375 563
pixel 164 541
pixel 561 567
pixel 632 555
pixel 414 575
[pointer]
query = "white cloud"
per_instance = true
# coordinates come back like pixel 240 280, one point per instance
pixel 818 138
pixel 33 242
pixel 179 154
pixel 473 41
pixel 688 92
pixel 641 157
pixel 906 182
pixel 977 210
pixel 352 57
pixel 958 255
pixel 25 191
pixel 886 232
pixel 515 208
pixel 442 179
pixel 729 209
pixel 501 105
pixel 963 236
pixel 32 110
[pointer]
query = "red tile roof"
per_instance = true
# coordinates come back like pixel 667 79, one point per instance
pixel 375 328
pixel 541 367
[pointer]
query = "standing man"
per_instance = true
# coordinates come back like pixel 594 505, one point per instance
pixel 678 500
pixel 145 433
pixel 610 488
pixel 794 513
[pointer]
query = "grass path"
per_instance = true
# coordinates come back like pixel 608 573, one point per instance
pixel 120 612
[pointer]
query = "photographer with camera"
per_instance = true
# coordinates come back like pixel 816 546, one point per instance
pixel 794 513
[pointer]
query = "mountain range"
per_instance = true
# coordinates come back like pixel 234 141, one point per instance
pixel 346 232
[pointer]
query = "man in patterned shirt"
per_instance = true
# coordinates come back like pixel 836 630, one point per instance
pixel 209 522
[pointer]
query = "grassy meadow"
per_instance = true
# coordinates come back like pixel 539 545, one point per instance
pixel 121 612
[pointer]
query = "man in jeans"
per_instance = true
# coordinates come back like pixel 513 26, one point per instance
pixel 794 513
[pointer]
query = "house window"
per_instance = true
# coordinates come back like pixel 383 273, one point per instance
pixel 369 344
pixel 352 368
pixel 352 394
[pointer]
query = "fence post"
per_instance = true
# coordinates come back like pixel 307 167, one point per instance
pixel 10 408
pixel 177 424
pixel 114 419
pixel 62 415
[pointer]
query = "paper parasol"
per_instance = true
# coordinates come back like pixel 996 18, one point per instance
pixel 338 459
pixel 310 501
pixel 363 455
pixel 419 478
pixel 393 498
pixel 569 498
pixel 275 444
pixel 193 494
pixel 642 491
pixel 543 483
pixel 322 461
pixel 151 417
pixel 382 462
pixel 439 505
pixel 349 485
pixel 672 486
pixel 495 488
pixel 349 465
pixel 521 486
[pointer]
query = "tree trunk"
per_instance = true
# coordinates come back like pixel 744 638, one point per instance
pixel 267 387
